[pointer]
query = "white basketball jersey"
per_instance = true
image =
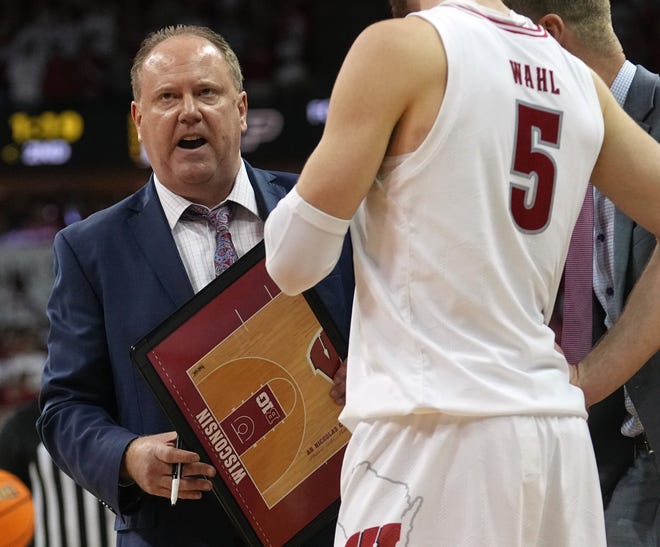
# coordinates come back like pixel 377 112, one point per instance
pixel 459 246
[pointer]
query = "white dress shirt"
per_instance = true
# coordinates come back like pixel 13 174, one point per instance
pixel 196 240
pixel 604 250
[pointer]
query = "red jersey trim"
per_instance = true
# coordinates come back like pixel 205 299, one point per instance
pixel 536 32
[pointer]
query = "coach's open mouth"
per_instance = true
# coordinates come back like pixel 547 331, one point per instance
pixel 191 144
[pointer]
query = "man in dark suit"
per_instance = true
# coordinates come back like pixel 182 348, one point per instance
pixel 123 270
pixel 626 425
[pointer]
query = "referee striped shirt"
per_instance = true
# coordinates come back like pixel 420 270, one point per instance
pixel 65 514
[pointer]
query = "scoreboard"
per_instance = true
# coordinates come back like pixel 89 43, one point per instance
pixel 85 135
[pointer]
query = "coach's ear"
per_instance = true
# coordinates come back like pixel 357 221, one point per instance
pixel 555 26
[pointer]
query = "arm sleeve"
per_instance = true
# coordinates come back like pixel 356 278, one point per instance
pixel 302 242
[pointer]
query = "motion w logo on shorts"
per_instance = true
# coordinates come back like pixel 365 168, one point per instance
pixel 381 536
pixel 389 499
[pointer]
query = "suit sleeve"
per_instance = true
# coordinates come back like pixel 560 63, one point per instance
pixel 78 418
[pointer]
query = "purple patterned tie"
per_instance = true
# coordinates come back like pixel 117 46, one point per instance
pixel 225 253
pixel 577 316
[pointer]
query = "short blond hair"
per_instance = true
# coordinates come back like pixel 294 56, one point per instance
pixel 159 36
pixel 591 20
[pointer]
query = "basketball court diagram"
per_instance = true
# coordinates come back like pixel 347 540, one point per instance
pixel 247 371
pixel 269 396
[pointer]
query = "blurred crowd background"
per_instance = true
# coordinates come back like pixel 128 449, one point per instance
pixel 74 56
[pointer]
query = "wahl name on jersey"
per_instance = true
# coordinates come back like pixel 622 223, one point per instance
pixel 539 78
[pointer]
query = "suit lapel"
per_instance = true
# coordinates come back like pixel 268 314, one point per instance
pixel 267 189
pixel 638 104
pixel 639 101
pixel 154 237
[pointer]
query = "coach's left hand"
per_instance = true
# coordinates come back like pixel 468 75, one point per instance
pixel 338 392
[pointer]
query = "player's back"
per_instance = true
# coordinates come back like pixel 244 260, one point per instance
pixel 460 245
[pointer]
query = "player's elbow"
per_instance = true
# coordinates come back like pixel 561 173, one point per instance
pixel 292 277
pixel 302 244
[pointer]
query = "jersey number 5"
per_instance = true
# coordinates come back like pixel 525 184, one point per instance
pixel 531 205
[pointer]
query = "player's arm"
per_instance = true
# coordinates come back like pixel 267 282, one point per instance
pixel 633 340
pixel 378 83
pixel 628 172
pixel 628 166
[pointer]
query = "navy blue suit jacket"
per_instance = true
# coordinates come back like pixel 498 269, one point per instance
pixel 118 275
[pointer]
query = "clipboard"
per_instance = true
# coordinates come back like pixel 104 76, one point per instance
pixel 244 372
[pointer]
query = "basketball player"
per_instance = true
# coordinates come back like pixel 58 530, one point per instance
pixel 626 425
pixel 458 147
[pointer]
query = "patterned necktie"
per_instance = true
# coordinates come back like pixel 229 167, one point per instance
pixel 576 335
pixel 225 253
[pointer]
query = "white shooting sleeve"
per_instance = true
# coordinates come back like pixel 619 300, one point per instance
pixel 303 243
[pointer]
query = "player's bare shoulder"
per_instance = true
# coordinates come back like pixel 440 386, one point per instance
pixel 407 43
pixel 418 63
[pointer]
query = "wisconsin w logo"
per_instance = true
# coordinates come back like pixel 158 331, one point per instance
pixel 379 536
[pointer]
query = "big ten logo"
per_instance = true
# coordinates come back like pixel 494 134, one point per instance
pixel 253 419
pixel 268 408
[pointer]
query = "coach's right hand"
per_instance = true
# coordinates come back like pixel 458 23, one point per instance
pixel 148 462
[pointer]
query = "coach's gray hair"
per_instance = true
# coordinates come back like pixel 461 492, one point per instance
pixel 155 38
